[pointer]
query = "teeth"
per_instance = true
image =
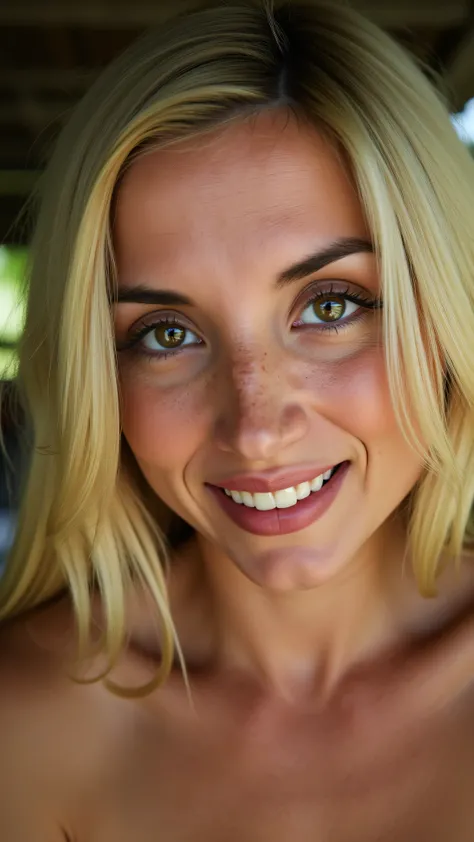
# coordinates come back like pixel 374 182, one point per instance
pixel 282 499
pixel 317 484
pixel 303 490
pixel 286 498
pixel 247 499
pixel 264 502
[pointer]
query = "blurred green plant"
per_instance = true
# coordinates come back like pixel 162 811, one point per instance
pixel 13 262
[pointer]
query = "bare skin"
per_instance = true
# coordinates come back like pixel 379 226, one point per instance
pixel 330 702
pixel 387 754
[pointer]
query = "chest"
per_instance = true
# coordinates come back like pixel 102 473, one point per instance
pixel 300 780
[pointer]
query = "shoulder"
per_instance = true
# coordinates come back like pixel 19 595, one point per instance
pixel 55 734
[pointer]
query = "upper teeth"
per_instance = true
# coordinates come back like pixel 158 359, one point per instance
pixel 282 499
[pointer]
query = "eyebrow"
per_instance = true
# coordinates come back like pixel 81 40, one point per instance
pixel 148 295
pixel 337 250
pixel 342 247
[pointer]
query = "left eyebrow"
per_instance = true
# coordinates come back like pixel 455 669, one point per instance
pixel 342 247
pixel 148 295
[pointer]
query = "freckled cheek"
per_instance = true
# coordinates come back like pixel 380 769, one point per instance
pixel 163 427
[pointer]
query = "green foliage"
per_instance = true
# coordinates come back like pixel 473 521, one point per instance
pixel 12 305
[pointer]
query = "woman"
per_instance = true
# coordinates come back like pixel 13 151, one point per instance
pixel 247 370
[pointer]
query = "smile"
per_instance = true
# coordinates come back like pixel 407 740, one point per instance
pixel 284 510
pixel 283 498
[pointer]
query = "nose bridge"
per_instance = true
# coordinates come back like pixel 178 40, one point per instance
pixel 251 380
pixel 260 412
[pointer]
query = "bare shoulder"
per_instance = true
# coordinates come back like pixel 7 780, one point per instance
pixel 55 734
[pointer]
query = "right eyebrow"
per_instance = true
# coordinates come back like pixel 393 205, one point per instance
pixel 149 295
pixel 336 250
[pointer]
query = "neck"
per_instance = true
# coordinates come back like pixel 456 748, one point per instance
pixel 299 640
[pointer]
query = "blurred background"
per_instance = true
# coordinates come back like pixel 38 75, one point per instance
pixel 52 50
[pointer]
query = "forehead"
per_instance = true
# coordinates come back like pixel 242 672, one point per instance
pixel 238 188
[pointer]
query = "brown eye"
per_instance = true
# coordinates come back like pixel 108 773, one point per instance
pixel 169 336
pixel 341 309
pixel 329 308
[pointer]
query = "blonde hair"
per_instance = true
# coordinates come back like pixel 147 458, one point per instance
pixel 83 521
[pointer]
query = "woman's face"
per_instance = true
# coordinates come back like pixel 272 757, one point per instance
pixel 249 330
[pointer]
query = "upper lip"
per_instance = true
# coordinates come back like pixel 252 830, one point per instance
pixel 273 480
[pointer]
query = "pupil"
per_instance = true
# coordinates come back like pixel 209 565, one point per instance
pixel 330 310
pixel 170 337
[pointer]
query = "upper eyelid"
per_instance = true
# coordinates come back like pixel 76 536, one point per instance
pixel 140 326
pixel 316 290
pixel 159 316
pixel 335 285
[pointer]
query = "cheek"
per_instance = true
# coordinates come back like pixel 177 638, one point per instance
pixel 353 394
pixel 366 411
pixel 357 400
pixel 365 398
pixel 162 427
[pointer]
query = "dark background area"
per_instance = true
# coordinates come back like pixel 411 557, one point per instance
pixel 51 50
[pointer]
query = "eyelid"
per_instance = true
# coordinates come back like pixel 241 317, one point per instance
pixel 318 289
pixel 149 322
pixel 158 317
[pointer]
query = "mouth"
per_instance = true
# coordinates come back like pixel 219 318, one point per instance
pixel 283 510
pixel 284 498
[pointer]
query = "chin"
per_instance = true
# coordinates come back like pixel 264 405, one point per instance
pixel 289 568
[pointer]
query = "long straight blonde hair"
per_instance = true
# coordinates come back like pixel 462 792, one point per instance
pixel 84 521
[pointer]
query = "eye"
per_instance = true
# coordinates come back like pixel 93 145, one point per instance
pixel 164 337
pixel 158 340
pixel 333 309
pixel 328 308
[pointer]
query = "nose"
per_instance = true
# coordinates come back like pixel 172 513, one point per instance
pixel 261 412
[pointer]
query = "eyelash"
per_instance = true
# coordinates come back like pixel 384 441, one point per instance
pixel 133 344
pixel 141 331
pixel 354 297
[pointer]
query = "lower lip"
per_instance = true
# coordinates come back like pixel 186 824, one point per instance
pixel 283 521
